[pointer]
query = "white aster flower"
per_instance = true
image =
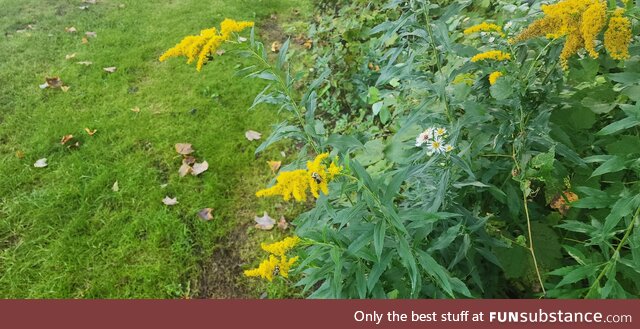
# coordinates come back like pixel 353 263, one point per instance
pixel 435 146
pixel 448 148
pixel 422 138
pixel 440 132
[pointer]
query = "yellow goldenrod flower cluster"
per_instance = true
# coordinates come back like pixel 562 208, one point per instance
pixel 493 77
pixel 280 248
pixel 296 183
pixel 277 263
pixel 580 21
pixel 202 46
pixel 495 55
pixel 618 36
pixel 484 27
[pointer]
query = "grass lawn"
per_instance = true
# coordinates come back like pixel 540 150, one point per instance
pixel 64 233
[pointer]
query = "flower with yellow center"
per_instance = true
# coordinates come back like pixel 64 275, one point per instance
pixel 280 248
pixel 296 183
pixel 493 77
pixel 202 46
pixel 484 27
pixel 495 55
pixel 618 36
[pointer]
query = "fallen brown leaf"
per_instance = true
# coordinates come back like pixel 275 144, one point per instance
pixel 86 63
pixel 53 82
pixel 199 168
pixel 65 139
pixel 184 170
pixel 65 88
pixel 220 52
pixel 282 223
pixel 205 214
pixel 308 44
pixel 135 109
pixel 90 132
pixel 20 154
pixel 265 222
pixel 70 56
pixel 70 29
pixel 252 135
pixel 85 40
pixel 110 69
pixel 170 201
pixel 184 148
pixel 189 160
pixel 275 46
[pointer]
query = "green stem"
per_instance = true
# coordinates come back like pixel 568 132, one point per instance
pixel 616 253
pixel 531 248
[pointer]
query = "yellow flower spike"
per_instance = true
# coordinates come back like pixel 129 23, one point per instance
pixel 202 46
pixel 593 20
pixel 266 269
pixel 493 77
pixel 618 36
pixel 484 27
pixel 280 248
pixel 495 55
pixel 285 265
pixel 296 183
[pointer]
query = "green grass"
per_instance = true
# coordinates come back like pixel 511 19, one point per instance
pixel 63 231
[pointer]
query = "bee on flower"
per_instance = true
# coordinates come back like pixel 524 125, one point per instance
pixel 278 264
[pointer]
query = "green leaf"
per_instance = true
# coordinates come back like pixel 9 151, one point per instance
pixel 372 153
pixel 410 261
pixel 622 208
pixel 378 269
pixel 385 115
pixel 578 273
pixel 614 164
pixel 614 127
pixel 502 89
pixel 436 271
pixel 376 107
pixel 374 95
pixel 361 282
pixel 281 131
pixel 379 232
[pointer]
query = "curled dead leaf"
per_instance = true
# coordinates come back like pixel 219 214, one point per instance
pixel 86 63
pixel 90 132
pixel 111 69
pixel 275 46
pixel 561 201
pixel 189 160
pixel 135 109
pixel 308 44
pixel 184 148
pixel 199 168
pixel 70 56
pixel 205 214
pixel 282 223
pixel 53 82
pixel 65 139
pixel 274 165
pixel 184 170
pixel 85 40
pixel 70 29
pixel 170 201
pixel 265 222
pixel 252 135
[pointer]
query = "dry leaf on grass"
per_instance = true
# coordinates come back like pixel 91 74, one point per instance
pixel 135 109
pixel 199 168
pixel 184 170
pixel 70 29
pixel 53 82
pixel 84 7
pixel 274 165
pixel 65 88
pixel 20 154
pixel 265 222
pixel 110 69
pixel 86 63
pixel 205 214
pixel 220 52
pixel 252 135
pixel 170 201
pixel 189 160
pixel 91 34
pixel 70 56
pixel 282 223
pixel 115 187
pixel 65 139
pixel 275 46
pixel 41 163
pixel 85 40
pixel 184 148
pixel 90 132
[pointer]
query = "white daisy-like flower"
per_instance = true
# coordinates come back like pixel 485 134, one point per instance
pixel 440 132
pixel 422 138
pixel 448 148
pixel 435 146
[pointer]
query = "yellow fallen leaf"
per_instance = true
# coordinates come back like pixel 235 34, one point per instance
pixel 70 29
pixel 274 165
pixel 90 132
pixel 85 40
pixel 135 109
pixel 70 56
pixel 65 88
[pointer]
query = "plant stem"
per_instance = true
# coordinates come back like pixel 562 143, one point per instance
pixel 447 109
pixel 531 249
pixel 616 253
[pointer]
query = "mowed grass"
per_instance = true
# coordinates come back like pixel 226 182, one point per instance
pixel 64 233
